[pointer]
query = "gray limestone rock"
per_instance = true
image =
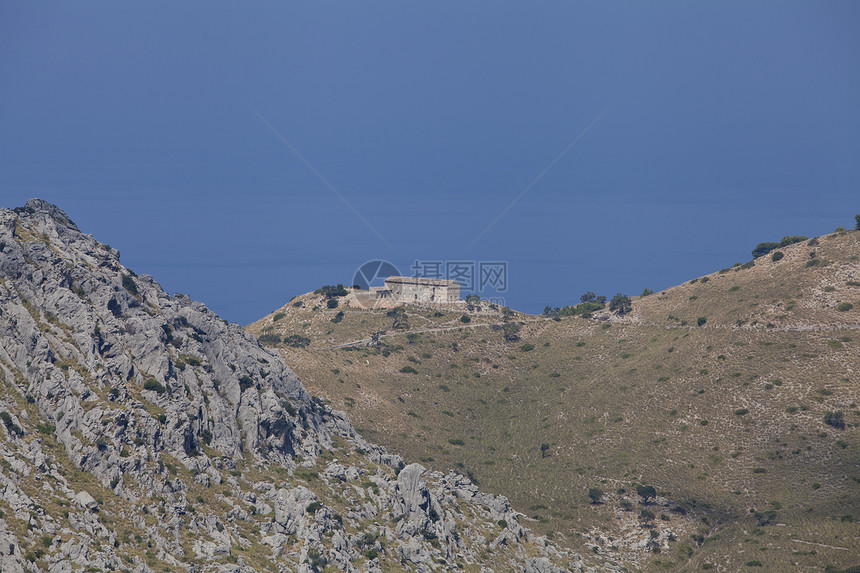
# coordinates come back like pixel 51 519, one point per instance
pixel 149 434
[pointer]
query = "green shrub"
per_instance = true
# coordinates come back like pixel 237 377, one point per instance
pixel 331 291
pixel 297 340
pixel 338 317
pixel 189 359
pixel 646 515
pixel 245 382
pixel 313 507
pixel 408 370
pixel 741 412
pixel 763 248
pixel 10 424
pixel 701 320
pixel 647 292
pixel 278 316
pixel 465 319
pixel 456 442
pixel 332 303
pixel 835 419
pixel 154 385
pixel 845 307
pixel 527 347
pixel 620 304
pixel 510 330
pixel 129 284
pixel 270 339
pixel 595 494
pixel 646 492
pixel 777 255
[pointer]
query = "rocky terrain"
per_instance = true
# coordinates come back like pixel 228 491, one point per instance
pixel 140 432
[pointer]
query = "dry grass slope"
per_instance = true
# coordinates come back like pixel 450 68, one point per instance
pixel 724 416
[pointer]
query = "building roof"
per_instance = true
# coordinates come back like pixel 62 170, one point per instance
pixel 421 281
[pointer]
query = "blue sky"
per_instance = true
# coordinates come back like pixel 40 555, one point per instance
pixel 724 124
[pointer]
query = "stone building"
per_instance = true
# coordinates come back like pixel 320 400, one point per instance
pixel 421 290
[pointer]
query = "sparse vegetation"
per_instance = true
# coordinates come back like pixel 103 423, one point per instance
pixel 297 341
pixel 620 304
pixel 835 419
pixel 129 284
pixel 584 389
pixel 154 385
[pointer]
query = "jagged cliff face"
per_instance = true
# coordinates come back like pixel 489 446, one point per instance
pixel 141 432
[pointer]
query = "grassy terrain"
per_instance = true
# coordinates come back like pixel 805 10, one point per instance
pixel 724 416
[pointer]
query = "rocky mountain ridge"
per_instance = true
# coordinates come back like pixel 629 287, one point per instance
pixel 143 433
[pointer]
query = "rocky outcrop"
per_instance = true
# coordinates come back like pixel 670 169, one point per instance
pixel 141 432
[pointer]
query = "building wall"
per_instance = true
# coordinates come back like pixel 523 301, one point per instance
pixel 453 293
pixel 417 293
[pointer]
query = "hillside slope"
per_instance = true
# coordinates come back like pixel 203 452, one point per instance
pixel 717 393
pixel 142 433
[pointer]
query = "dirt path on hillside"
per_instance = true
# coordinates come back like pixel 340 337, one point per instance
pixel 796 328
pixel 422 331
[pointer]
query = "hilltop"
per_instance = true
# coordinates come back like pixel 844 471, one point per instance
pixel 734 396
pixel 141 432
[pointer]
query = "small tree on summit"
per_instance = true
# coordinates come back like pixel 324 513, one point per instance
pixel 857 218
pixel 620 304
pixel 591 297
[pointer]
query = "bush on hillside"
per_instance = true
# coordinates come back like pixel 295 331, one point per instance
pixel 764 248
pixel 129 284
pixel 297 340
pixel 510 330
pixel 154 385
pixel 10 424
pixel 776 255
pixel 835 419
pixel 595 494
pixel 646 492
pixel 270 339
pixel 620 304
pixel 331 291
